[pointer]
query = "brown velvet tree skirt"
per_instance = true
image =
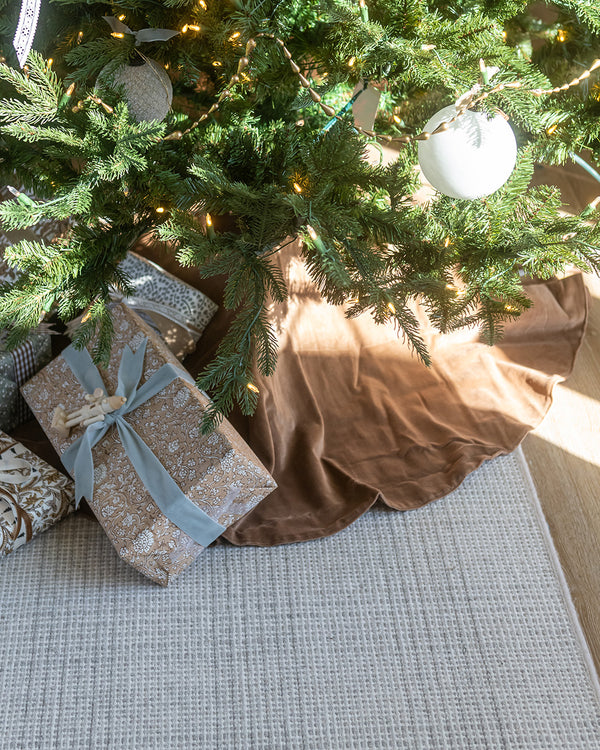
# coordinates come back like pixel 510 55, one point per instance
pixel 352 416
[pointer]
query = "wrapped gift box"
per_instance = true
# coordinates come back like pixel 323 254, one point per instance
pixel 33 495
pixel 217 473
pixel 175 309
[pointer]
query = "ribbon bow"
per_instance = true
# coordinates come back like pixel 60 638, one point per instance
pixel 78 458
pixel 11 468
pixel 143 35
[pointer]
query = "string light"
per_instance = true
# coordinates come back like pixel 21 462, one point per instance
pixel 364 11
pixel 160 210
pixel 398 120
pixel 209 227
pixel 67 95
pixel 79 37
pixel 446 241
pixel 297 187
pixel 49 62
pixel 234 36
pixel 121 17
pixel 117 35
pixel 351 61
pixel 252 387
pixel 391 307
pixel 561 36
pixel 202 4
pixel 510 308
pixel 552 129
pixel 193 27
pixel 184 29
pixel 23 199
pixel 217 63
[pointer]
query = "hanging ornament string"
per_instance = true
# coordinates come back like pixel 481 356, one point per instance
pixel 26 28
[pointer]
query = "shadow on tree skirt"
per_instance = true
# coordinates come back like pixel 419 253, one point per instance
pixel 352 416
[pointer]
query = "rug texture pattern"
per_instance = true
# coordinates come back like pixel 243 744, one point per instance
pixel 436 629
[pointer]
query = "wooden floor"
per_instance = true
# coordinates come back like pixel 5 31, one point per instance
pixel 564 458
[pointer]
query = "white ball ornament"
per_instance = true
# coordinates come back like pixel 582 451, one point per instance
pixel 148 89
pixel 473 158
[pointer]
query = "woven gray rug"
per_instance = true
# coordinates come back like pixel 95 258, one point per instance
pixel 442 628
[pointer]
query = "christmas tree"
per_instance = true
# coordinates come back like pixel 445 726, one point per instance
pixel 227 128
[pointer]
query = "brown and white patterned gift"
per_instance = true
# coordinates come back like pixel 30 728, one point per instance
pixel 218 473
pixel 33 495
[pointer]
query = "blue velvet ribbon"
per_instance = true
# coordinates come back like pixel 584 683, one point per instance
pixel 79 460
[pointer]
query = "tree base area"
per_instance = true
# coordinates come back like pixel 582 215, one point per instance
pixel 352 416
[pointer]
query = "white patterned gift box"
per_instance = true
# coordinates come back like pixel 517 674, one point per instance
pixel 33 495
pixel 177 311
pixel 204 482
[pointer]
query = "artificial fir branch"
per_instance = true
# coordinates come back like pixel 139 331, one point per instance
pixel 258 151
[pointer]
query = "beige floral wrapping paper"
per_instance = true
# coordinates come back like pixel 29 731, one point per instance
pixel 218 472
pixel 33 495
